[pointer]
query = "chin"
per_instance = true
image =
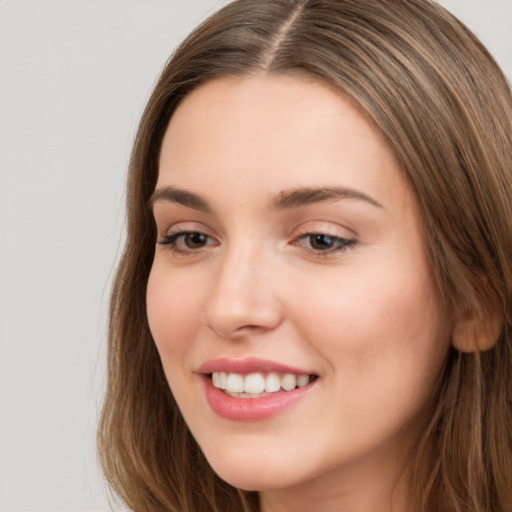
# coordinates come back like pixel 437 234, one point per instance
pixel 254 473
pixel 253 480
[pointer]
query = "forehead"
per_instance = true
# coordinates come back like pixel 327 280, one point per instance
pixel 274 132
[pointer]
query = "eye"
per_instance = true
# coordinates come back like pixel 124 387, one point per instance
pixel 322 243
pixel 184 242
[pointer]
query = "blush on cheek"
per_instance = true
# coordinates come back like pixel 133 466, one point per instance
pixel 167 316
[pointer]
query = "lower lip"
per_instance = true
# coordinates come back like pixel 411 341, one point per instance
pixel 252 409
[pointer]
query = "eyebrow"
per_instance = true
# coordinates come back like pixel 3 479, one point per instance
pixel 298 197
pixel 183 197
pixel 286 199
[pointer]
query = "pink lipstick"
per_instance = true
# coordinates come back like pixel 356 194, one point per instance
pixel 253 389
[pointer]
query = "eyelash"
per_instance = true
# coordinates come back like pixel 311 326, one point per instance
pixel 172 241
pixel 340 244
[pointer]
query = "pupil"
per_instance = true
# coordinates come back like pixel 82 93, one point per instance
pixel 321 242
pixel 195 240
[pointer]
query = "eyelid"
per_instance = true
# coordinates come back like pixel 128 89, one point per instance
pixel 168 228
pixel 341 244
pixel 171 239
pixel 342 241
pixel 327 228
pixel 176 243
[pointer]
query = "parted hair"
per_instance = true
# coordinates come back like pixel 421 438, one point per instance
pixel 445 108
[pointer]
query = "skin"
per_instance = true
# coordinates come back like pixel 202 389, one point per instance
pixel 366 318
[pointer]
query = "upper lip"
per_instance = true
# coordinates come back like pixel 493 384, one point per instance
pixel 249 365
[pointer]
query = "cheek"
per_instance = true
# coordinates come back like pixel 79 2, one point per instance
pixel 377 302
pixel 378 327
pixel 173 313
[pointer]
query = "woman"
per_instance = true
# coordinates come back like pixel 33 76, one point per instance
pixel 312 311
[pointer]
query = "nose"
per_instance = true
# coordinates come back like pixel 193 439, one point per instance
pixel 244 299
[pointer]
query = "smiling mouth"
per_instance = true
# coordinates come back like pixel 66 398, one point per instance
pixel 258 384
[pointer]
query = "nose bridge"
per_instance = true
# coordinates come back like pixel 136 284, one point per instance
pixel 243 298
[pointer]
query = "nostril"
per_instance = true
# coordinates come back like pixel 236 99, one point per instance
pixel 240 306
pixel 237 331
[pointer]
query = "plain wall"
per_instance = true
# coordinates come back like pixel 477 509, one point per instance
pixel 74 77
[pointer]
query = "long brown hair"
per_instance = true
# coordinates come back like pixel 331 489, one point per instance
pixel 446 109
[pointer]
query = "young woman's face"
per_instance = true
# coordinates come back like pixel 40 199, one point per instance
pixel 290 256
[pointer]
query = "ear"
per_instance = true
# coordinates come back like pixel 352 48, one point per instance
pixel 477 331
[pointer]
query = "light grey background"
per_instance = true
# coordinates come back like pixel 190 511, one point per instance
pixel 74 77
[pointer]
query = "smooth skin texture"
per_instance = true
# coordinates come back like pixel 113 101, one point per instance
pixel 359 309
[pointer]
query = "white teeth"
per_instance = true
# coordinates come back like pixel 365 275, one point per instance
pixel 302 380
pixel 235 383
pixel 272 383
pixel 220 379
pixel 254 383
pixel 257 384
pixel 289 382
